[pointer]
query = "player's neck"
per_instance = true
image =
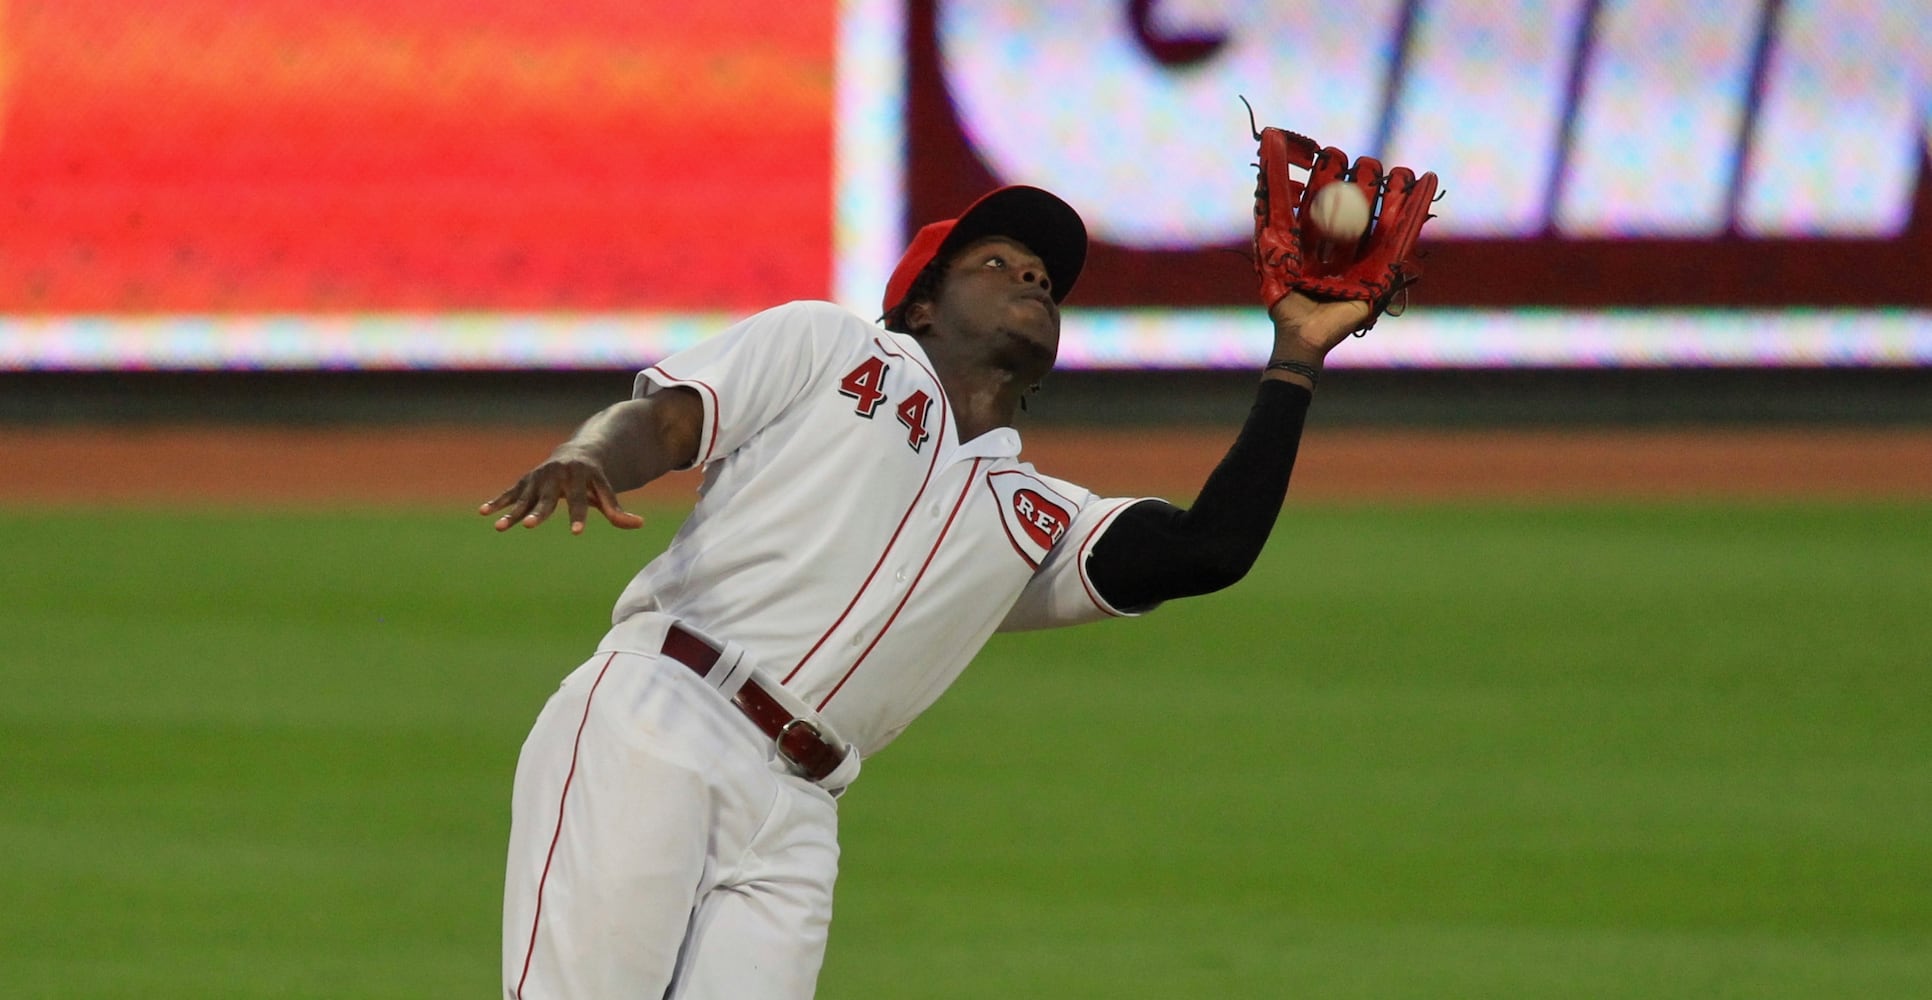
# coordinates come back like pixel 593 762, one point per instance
pixel 979 407
pixel 983 396
pixel 984 374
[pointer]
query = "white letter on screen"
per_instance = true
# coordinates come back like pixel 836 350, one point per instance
pixel 1063 96
pixel 1842 121
pixel 1482 105
pixel 1655 140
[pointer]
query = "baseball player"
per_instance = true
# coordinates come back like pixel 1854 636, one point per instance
pixel 865 523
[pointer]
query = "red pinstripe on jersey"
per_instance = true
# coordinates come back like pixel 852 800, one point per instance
pixel 945 415
pixel 562 798
pixel 1003 512
pixel 1081 563
pixel 971 477
pixel 709 391
pixel 1031 563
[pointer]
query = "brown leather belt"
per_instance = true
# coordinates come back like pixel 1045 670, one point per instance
pixel 798 740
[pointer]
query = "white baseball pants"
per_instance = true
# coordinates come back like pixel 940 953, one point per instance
pixel 658 848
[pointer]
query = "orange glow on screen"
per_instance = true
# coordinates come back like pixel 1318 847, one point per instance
pixel 284 155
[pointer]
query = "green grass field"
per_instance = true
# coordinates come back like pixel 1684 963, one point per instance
pixel 1432 751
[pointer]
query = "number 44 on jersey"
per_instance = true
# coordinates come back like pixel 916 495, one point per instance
pixel 866 384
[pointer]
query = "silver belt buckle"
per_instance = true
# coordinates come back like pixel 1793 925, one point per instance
pixel 786 730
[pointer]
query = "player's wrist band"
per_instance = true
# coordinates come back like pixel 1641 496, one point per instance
pixel 1307 371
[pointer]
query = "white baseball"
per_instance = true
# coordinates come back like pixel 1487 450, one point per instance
pixel 1340 211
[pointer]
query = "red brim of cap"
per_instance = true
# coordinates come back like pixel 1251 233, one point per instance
pixel 1039 219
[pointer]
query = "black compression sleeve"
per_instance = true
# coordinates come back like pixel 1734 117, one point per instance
pixel 1155 551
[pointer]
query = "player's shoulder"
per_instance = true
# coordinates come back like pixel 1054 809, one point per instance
pixel 816 328
pixel 1071 491
pixel 816 315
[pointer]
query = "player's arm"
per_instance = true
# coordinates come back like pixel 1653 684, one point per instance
pixel 1354 270
pixel 1155 551
pixel 619 449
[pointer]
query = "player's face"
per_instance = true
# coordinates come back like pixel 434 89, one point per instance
pixel 998 289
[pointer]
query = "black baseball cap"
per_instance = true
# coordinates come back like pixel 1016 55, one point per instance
pixel 1047 225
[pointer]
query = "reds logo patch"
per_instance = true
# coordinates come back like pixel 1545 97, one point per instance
pixel 1035 515
pixel 1042 519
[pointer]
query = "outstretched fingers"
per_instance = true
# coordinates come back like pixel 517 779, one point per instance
pixel 548 494
pixel 516 499
pixel 605 500
pixel 577 486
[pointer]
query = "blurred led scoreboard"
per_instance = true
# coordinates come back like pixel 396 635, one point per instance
pixel 211 184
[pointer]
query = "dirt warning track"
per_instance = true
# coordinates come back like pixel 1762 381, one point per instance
pixel 434 465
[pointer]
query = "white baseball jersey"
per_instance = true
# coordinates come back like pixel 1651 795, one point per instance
pixel 844 535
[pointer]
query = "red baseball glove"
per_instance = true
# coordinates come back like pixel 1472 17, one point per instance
pixel 1377 268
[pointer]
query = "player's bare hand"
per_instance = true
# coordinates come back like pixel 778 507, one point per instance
pixel 577 483
pixel 1305 325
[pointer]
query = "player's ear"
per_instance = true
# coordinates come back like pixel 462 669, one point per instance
pixel 918 316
